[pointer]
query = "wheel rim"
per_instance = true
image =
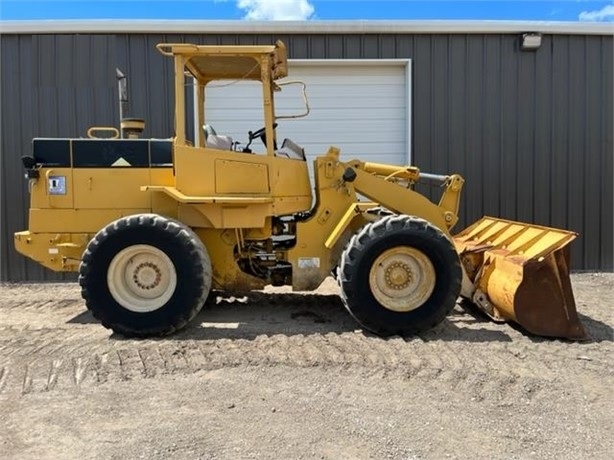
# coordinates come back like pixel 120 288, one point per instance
pixel 402 279
pixel 141 278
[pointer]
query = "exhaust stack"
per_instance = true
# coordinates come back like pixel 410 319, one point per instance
pixel 130 128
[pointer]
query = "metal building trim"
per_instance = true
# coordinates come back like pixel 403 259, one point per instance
pixel 136 26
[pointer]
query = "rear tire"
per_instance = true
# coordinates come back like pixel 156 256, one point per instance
pixel 145 275
pixel 399 276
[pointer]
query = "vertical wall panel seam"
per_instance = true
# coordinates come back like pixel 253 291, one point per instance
pixel 500 120
pixel 449 102
pixel 550 189
pixel 533 172
pixel 484 107
pixel 587 198
pixel 467 154
pixel 567 219
pixel 604 152
pixel 517 152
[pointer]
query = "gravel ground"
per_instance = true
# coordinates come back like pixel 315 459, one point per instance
pixel 281 375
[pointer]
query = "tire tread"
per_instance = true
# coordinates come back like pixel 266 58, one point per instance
pixel 199 268
pixel 349 268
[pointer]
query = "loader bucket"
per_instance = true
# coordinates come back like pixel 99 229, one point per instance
pixel 520 273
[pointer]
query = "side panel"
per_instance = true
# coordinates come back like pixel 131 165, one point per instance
pixel 241 177
pixel 111 188
pixel 211 173
pixel 53 189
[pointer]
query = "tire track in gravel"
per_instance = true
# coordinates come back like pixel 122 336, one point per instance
pixel 4 372
pixel 493 364
pixel 153 363
pixel 454 369
pixel 437 363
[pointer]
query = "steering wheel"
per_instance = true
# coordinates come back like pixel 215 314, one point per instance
pixel 259 132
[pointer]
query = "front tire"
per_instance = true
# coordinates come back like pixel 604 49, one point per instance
pixel 399 276
pixel 145 275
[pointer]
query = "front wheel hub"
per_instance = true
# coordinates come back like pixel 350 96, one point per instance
pixel 402 279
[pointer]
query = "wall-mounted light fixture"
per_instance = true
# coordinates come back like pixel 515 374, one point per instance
pixel 530 41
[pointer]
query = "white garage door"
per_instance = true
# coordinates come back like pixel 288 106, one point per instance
pixel 361 107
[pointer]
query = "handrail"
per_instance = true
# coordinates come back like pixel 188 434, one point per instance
pixel 93 129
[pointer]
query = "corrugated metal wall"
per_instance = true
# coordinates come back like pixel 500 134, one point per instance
pixel 532 132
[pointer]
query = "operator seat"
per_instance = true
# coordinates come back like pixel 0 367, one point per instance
pixel 216 141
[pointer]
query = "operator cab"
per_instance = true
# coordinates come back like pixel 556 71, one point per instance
pixel 217 153
pixel 235 91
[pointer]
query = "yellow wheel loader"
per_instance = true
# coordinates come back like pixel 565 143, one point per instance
pixel 153 225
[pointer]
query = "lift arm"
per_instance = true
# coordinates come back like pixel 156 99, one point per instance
pixel 381 183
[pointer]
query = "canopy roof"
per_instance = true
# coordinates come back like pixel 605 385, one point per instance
pixel 207 62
